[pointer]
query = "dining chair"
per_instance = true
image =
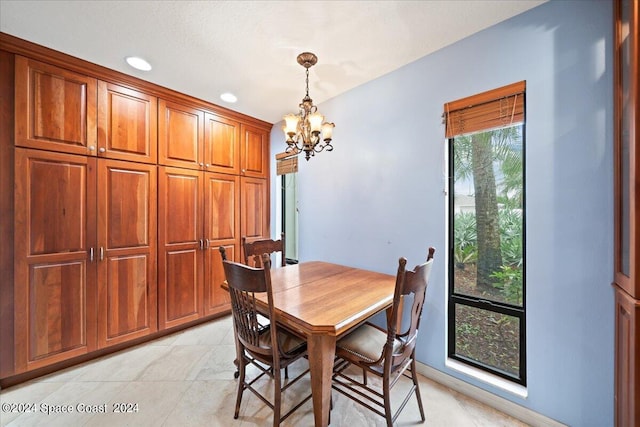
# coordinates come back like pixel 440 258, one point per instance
pixel 387 354
pixel 267 347
pixel 254 249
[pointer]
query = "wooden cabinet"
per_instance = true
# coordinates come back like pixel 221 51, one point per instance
pixel 60 110
pixel 180 246
pixel 127 124
pixel 254 151
pixel 55 229
pixel 221 144
pixel 180 135
pixel 255 207
pixel 199 212
pixel 126 251
pixel 85 254
pixel 627 212
pixel 221 228
pixel 55 108
pixel 118 194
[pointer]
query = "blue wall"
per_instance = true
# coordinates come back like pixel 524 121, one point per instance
pixel 379 195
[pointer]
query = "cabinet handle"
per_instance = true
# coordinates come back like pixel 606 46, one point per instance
pixel 201 164
pixel 201 244
pixel 207 165
pixel 206 243
pixel 91 148
pixel 101 253
pixel 102 149
pixel 90 254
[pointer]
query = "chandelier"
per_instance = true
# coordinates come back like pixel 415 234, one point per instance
pixel 304 129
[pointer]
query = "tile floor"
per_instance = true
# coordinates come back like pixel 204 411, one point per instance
pixel 186 379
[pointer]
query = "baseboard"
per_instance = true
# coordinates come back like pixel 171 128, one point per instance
pixel 508 407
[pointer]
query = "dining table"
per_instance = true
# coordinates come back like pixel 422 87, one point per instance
pixel 323 301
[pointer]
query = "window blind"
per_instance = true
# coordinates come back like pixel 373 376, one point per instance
pixel 488 110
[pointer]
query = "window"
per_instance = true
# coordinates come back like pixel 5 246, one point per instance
pixel 486 306
pixel 290 216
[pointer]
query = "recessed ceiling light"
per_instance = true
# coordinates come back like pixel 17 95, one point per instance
pixel 228 97
pixel 138 63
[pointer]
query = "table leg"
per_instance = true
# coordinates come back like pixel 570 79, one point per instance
pixel 321 350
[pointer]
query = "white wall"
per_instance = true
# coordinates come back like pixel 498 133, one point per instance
pixel 379 194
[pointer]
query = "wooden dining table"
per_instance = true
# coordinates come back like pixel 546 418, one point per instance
pixel 323 301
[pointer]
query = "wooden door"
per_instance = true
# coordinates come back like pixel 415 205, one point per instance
pixel 180 246
pixel 127 297
pixel 55 267
pixel 254 197
pixel 254 151
pixel 221 144
pixel 55 108
pixel 180 135
pixel 626 260
pixel 627 375
pixel 221 228
pixel 127 124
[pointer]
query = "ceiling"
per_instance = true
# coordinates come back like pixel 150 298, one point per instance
pixel 249 48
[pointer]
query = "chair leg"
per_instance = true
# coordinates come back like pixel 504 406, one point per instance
pixel 386 393
pixel 277 397
pixel 414 377
pixel 241 370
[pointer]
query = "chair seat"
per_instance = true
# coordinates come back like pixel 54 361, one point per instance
pixel 287 342
pixel 366 342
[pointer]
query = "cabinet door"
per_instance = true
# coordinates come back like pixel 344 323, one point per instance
pixel 126 251
pixel 127 124
pixel 221 144
pixel 180 135
pixel 255 152
pixel 627 374
pixel 55 276
pixel 180 246
pixel 221 228
pixel 254 221
pixel 55 108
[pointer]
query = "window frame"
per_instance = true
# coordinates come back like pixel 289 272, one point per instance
pixel 454 298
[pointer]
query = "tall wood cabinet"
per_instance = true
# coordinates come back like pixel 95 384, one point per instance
pixel 214 189
pixel 118 195
pixel 627 213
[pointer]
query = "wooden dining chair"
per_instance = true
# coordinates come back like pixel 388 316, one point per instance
pixel 267 347
pixel 387 354
pixel 254 249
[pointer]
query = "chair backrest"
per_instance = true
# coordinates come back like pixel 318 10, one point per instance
pixel 408 284
pixel 254 249
pixel 244 282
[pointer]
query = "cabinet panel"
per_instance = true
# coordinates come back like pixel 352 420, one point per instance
pixel 127 124
pixel 221 228
pixel 182 286
pixel 217 299
pixel 627 357
pixel 180 135
pixel 221 144
pixel 57 298
pixel 180 243
pixel 254 207
pixel 255 151
pixel 55 108
pixel 54 295
pixel 127 250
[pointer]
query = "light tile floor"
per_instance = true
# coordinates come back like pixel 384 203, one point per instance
pixel 186 379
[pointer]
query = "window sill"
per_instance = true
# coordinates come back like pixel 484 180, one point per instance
pixel 488 378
